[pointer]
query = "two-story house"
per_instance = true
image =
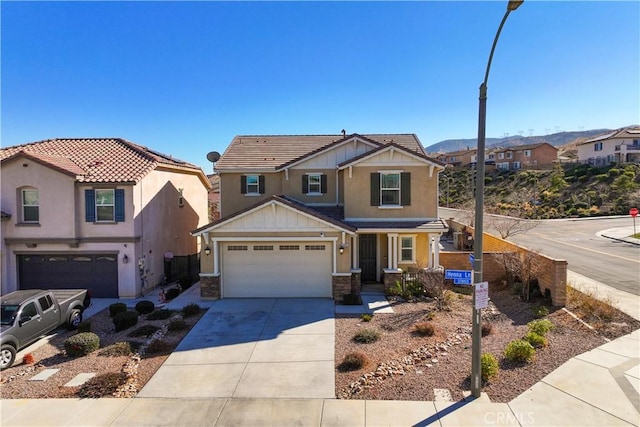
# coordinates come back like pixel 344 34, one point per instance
pixel 530 156
pixel 460 158
pixel 317 215
pixel 96 213
pixel 619 146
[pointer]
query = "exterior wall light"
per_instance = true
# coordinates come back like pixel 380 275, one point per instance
pixel 207 251
pixel 125 259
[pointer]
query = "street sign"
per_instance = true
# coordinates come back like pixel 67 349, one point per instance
pixel 457 274
pixel 633 212
pixel 482 295
pixel 471 259
pixel 462 281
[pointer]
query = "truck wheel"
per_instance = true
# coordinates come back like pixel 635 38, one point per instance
pixel 7 356
pixel 75 318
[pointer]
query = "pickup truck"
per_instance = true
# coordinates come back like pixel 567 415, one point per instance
pixel 29 314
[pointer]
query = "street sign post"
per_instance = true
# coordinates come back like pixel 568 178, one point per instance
pixel 481 291
pixel 634 213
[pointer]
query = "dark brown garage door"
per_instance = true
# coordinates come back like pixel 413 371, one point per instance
pixel 99 273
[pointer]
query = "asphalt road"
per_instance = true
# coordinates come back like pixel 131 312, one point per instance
pixel 608 261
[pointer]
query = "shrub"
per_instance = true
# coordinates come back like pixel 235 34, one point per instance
pixel 102 385
pixel 176 324
pixel 366 317
pixel 143 331
pixel 116 308
pixel 394 290
pixel 163 314
pixel 190 310
pixel 519 351
pixel 486 329
pixel 540 327
pixel 424 329
pixel 366 336
pixel 351 299
pixel 535 340
pixel 125 320
pixel 84 326
pixel 488 366
pixel 28 359
pixel 185 282
pixel 117 349
pixel 353 361
pixel 172 293
pixel 539 311
pixel 81 344
pixel 145 307
pixel 158 346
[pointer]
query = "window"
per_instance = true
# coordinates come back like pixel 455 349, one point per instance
pixel 527 153
pixel 30 205
pixel 390 189
pixel 237 247
pixel 289 247
pixel 597 146
pixel 516 165
pixel 263 248
pixel 252 185
pixel 314 247
pixel 406 249
pixel 509 154
pixel 45 302
pixel 314 183
pixel 29 310
pixel 104 205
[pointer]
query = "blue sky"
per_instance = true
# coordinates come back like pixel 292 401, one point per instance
pixel 185 77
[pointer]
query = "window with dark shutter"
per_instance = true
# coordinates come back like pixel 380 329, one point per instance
pixel 90 205
pixel 305 184
pixel 405 189
pixel 375 189
pixel 119 193
pixel 261 184
pixel 243 184
pixel 323 184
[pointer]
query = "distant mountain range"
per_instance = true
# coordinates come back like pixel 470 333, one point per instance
pixel 555 139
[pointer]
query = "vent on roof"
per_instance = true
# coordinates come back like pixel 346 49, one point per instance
pixel 164 156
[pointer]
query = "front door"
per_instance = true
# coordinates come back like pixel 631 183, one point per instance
pixel 368 263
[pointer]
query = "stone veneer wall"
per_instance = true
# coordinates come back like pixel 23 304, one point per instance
pixel 356 282
pixel 210 287
pixel 390 279
pixel 341 286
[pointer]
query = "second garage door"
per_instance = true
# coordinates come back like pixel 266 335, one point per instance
pixel 276 269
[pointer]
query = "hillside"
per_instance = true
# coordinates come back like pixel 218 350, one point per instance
pixel 555 139
pixel 576 190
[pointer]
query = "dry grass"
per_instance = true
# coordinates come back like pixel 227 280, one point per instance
pixel 591 308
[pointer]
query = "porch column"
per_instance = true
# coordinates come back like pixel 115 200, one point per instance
pixel 354 251
pixel 216 256
pixel 436 245
pixel 392 251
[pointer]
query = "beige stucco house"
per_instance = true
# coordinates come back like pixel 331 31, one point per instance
pixel 619 146
pixel 317 215
pixel 97 213
pixel 530 156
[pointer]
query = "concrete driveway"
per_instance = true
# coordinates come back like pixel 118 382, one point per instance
pixel 253 348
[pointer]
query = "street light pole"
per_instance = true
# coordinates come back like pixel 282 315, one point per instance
pixel 476 374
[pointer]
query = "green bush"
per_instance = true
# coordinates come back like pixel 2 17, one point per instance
pixel 125 320
pixel 519 351
pixel 158 346
pixel 366 317
pixel 118 349
pixel 488 366
pixel 190 310
pixel 117 307
pixel 81 344
pixel 353 361
pixel 535 340
pixel 143 331
pixel 103 385
pixel 145 307
pixel 394 290
pixel 84 326
pixel 424 329
pixel 539 311
pixel 172 293
pixel 176 324
pixel 163 314
pixel 540 326
pixel 366 336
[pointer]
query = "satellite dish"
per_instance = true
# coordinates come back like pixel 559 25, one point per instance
pixel 213 156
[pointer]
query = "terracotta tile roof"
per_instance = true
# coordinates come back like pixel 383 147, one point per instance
pixel 272 152
pixel 95 159
pixel 522 147
pixel 384 147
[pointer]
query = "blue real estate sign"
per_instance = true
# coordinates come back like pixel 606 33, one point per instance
pixel 459 277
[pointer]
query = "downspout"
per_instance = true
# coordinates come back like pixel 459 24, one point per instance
pixel 337 187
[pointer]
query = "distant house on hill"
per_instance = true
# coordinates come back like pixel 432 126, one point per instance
pixel 619 146
pixel 529 156
pixel 461 158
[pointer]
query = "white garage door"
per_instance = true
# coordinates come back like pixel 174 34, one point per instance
pixel 276 269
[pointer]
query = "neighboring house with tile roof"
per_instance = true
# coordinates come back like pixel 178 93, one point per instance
pixel 530 156
pixel 318 215
pixel 96 213
pixel 619 146
pixel 460 158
